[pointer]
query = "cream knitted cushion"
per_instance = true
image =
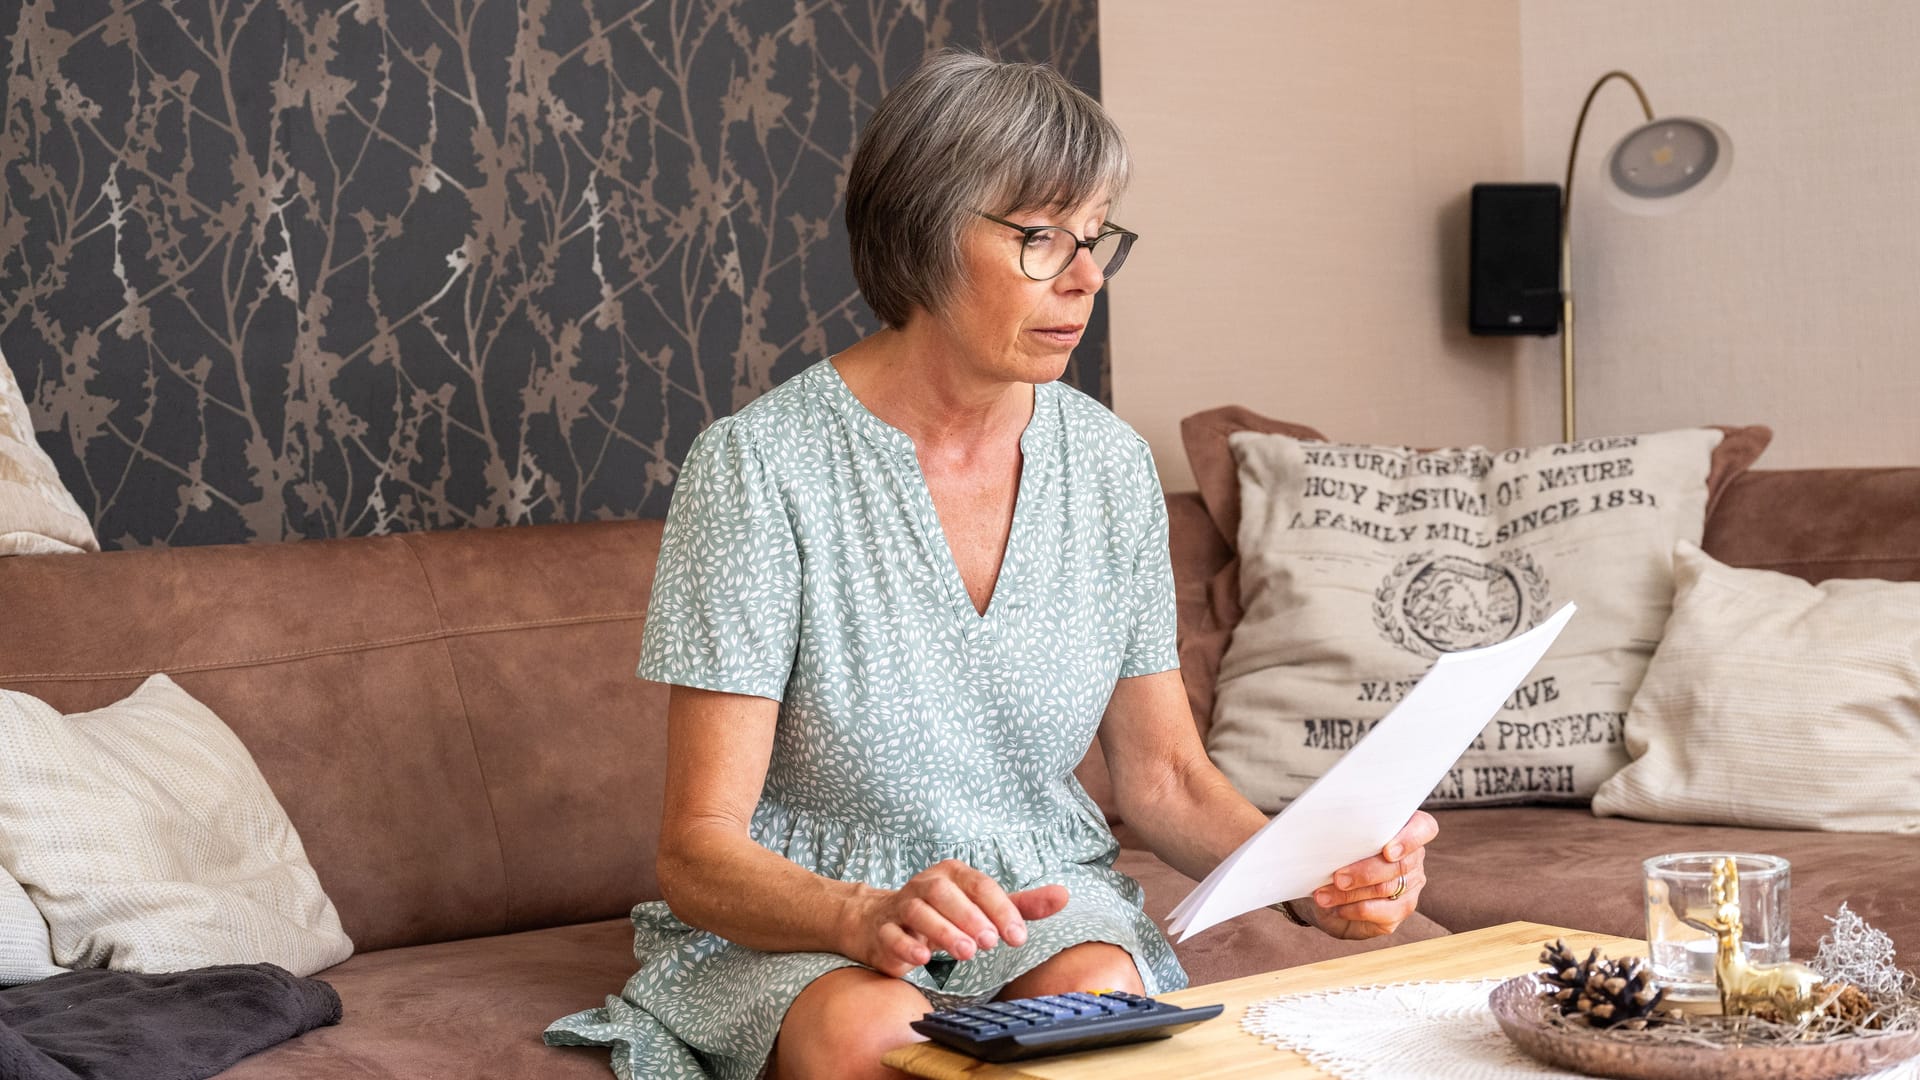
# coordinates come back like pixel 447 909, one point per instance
pixel 146 835
pixel 25 954
pixel 1777 704
pixel 37 513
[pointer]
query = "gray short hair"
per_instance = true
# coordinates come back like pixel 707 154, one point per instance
pixel 966 133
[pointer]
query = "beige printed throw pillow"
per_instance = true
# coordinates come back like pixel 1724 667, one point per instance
pixel 1360 565
pixel 37 514
pixel 145 834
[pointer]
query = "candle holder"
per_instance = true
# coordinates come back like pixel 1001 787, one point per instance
pixel 1683 946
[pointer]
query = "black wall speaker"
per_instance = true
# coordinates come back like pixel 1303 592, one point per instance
pixel 1516 259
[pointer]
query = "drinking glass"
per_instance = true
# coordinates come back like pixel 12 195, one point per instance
pixel 1682 952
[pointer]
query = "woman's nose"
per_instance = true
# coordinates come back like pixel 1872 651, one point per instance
pixel 1083 274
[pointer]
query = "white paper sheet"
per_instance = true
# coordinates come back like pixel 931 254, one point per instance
pixel 1361 803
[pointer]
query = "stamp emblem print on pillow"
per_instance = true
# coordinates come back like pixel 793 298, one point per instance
pixel 1431 603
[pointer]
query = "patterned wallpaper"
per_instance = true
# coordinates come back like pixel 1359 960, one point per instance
pixel 306 268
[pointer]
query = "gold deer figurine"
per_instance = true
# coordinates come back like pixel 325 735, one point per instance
pixel 1785 988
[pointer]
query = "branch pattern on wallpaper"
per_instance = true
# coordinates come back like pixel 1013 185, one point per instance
pixel 299 268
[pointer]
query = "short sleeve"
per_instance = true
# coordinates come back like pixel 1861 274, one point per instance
pixel 1152 647
pixel 725 611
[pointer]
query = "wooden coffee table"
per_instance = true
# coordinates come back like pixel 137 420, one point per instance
pixel 1218 1048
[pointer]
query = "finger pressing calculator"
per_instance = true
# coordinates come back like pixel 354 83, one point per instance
pixel 1057 1024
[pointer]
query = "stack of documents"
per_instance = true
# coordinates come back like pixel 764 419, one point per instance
pixel 1361 803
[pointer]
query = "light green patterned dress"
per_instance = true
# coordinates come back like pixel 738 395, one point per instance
pixel 803 561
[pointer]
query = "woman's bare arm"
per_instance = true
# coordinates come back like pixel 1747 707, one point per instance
pixel 712 873
pixel 1169 792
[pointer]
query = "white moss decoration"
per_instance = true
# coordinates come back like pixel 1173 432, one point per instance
pixel 1854 952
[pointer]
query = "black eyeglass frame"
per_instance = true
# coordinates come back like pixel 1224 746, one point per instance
pixel 1127 237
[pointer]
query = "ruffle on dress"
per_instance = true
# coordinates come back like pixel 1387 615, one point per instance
pixel 854 851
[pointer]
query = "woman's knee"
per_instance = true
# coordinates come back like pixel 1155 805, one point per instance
pixel 1094 965
pixel 843 1022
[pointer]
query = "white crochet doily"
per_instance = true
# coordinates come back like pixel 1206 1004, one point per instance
pixel 1411 1031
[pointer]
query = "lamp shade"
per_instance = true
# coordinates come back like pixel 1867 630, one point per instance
pixel 1666 165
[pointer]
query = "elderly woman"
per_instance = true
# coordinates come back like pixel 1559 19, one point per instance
pixel 896 598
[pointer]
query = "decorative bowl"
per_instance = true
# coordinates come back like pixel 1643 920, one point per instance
pixel 1526 1018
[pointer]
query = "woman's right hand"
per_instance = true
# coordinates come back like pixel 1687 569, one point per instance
pixel 948 906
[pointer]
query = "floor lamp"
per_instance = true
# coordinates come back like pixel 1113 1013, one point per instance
pixel 1659 167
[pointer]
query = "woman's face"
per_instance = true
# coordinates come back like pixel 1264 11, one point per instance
pixel 1006 324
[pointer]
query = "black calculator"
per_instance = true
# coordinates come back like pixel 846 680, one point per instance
pixel 1057 1024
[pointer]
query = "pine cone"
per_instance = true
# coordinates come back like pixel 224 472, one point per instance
pixel 1599 991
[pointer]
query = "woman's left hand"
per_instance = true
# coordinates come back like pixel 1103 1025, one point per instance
pixel 1367 899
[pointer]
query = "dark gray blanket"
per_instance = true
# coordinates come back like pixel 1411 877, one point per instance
pixel 120 1025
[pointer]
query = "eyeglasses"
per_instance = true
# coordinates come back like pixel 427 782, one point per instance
pixel 1047 250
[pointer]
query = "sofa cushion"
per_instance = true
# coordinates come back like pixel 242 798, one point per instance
pixel 498 993
pixel 1360 565
pixel 469 1008
pixel 343 695
pixel 1207 436
pixel 1771 702
pixel 1205 631
pixel 1203 566
pixel 1821 523
pixel 26 953
pixel 1563 866
pixel 38 516
pixel 541 632
pixel 1204 637
pixel 449 718
pixel 149 839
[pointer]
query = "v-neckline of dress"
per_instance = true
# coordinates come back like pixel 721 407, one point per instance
pixel 926 518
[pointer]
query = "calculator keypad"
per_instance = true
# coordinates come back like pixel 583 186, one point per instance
pixel 1004 1030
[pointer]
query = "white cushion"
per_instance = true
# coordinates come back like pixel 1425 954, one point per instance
pixel 1360 565
pixel 148 839
pixel 38 515
pixel 1777 704
pixel 25 954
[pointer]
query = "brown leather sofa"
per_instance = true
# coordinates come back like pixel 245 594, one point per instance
pixel 451 721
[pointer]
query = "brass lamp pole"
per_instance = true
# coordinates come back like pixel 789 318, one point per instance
pixel 1657 168
pixel 1566 251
